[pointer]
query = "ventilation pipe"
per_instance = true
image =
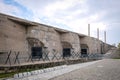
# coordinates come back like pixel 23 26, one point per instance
pixel 88 29
pixel 105 36
pixel 98 33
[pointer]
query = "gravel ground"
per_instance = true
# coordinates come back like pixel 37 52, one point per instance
pixel 107 69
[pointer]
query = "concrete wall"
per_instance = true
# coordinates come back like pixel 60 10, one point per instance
pixel 48 36
pixel 14 36
pixel 71 38
pixel 93 44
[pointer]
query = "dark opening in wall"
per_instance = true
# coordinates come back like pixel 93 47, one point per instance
pixel 36 52
pixel 36 48
pixel 83 51
pixel 66 52
pixel 66 49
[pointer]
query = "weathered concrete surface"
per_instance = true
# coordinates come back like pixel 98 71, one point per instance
pixel 107 69
pixel 21 35
pixel 14 30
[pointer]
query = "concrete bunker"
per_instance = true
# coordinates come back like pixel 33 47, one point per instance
pixel 66 49
pixel 36 48
pixel 63 41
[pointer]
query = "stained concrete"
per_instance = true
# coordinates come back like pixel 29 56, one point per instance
pixel 21 35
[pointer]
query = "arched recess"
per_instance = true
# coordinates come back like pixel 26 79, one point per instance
pixel 66 45
pixel 84 49
pixel 66 49
pixel 36 47
pixel 34 42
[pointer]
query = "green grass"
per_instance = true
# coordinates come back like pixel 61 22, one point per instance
pixel 5 75
pixel 11 74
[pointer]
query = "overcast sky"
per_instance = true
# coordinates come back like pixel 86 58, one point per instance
pixel 73 15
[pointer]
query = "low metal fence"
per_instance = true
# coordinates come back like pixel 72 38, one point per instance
pixel 11 58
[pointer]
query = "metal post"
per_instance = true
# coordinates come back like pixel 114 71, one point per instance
pixel 105 36
pixel 88 29
pixel 98 33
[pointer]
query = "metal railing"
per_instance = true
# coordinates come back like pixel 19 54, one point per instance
pixel 22 58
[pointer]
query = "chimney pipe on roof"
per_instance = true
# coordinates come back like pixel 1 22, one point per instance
pixel 88 29
pixel 98 33
pixel 105 36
